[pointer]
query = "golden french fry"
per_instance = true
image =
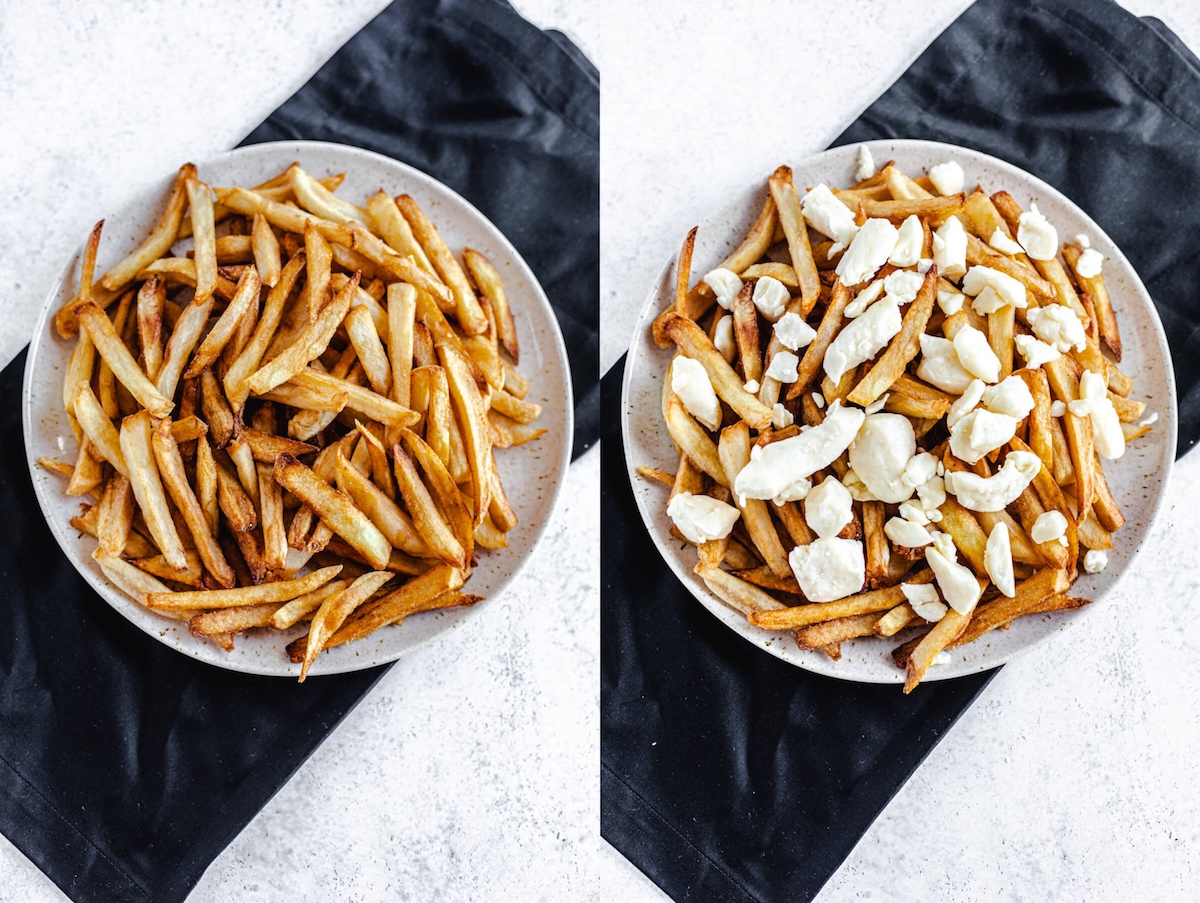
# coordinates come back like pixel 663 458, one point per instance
pixel 316 198
pixel 358 398
pixel 1064 382
pixel 693 342
pixel 229 621
pixel 265 250
pixel 393 228
pixel 492 288
pixel 99 429
pixel 395 525
pixel 738 594
pixel 401 312
pixel 427 518
pixel 787 201
pixel 814 355
pixel 159 241
pixel 466 305
pixel 734 453
pixel 251 356
pixel 471 414
pixel 244 301
pixel 365 339
pixel 188 329
pixel 335 610
pixel 205 237
pixel 280 591
pixel 108 343
pixel 930 646
pixel 814 613
pixel 132 581
pixel 115 519
pixel 135 438
pixel 898 210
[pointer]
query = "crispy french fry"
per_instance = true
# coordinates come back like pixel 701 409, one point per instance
pixel 492 288
pixel 738 594
pixel 1064 382
pixel 205 237
pixel 787 202
pixel 115 519
pixel 334 611
pixel 280 591
pixel 159 241
pixel 693 342
pixel 814 355
pixel 931 645
pixel 135 439
pixel 395 230
pixel 99 429
pixel 791 618
pixel 734 453
pixel 395 525
pixel 402 308
pixel 108 343
pixel 245 300
pixel 466 306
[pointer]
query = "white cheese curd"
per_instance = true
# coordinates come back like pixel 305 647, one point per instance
pixel 908 243
pixel 959 587
pixel 793 333
pixel 988 302
pixel 1106 425
pixel 783 464
pixel 771 298
pixel 829 216
pixel 1057 408
pixel 1035 351
pixel 902 286
pixel 828 508
pixel 923 598
pixel 1082 240
pixel 781 417
pixel 1080 407
pixel 819 400
pixel 950 248
pixel 976 355
pixel 911 511
pixel 947 177
pixel 1009 289
pixel 880 452
pixel 1036 235
pixel 920 469
pixel 864 299
pixel 1089 263
pixel 997 492
pixel 932 494
pixel 723 338
pixel 701 518
pixel 997 560
pixel 906 533
pixel 1003 243
pixel 864 164
pixel 868 251
pixel 725 285
pixel 862 339
pixel 979 433
pixel 752 387
pixel 950 302
pixel 856 487
pixel 1149 420
pixel 940 367
pixel 878 404
pixel 1009 396
pixel 783 367
pixel 1049 526
pixel 944 543
pixel 966 403
pixel 1095 561
pixel 942 658
pixel 690 382
pixel 829 569
pixel 1058 325
pixel 924 264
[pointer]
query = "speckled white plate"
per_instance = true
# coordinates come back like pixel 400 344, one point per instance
pixel 1138 479
pixel 532 474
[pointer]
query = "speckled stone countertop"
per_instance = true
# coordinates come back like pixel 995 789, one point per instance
pixel 1074 777
pixel 470 773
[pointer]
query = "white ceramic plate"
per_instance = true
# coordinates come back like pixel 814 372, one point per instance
pixel 1138 479
pixel 532 474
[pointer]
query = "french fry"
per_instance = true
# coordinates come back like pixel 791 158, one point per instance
pixel 110 347
pixel 250 357
pixel 135 440
pixel 895 620
pixel 160 239
pixel 466 305
pixel 184 337
pixel 787 202
pixel 738 594
pixel 902 349
pixel 694 442
pixel 231 620
pixel 900 209
pixel 279 591
pixel 818 636
pixel 814 355
pixel 1002 609
pixel 875 543
pixel 695 344
pixel 245 300
pixel 492 288
pixel 115 519
pixel 796 616
pixel 284 616
pixel 734 454
pixel 402 308
pixel 745 331
pixel 931 645
pixel 1064 382
pixel 395 230
pixel 396 526
pixel 99 429
pixel 205 238
pixel 335 610
pixel 265 251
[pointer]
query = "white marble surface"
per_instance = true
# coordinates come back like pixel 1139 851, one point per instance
pixel 1074 777
pixel 470 772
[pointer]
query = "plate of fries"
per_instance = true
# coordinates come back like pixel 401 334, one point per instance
pixel 299 399
pixel 863 403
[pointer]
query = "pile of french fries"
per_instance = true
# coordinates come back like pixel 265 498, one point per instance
pixel 295 420
pixel 749 568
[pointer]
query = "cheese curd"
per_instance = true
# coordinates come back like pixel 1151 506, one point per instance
pixel 864 164
pixel 958 584
pixel 1058 408
pixel 690 383
pixel 1109 438
pixel 1003 243
pixel 902 286
pixel 879 454
pixel 868 251
pixel 725 285
pixel 771 298
pixel 947 177
pixel 752 386
pixel 940 367
pixel 950 302
pixel 793 333
pixel 1005 286
pixel 1035 351
pixel 781 417
pixel 701 518
pixel 783 367
pixel 1059 326
pixel 997 492
pixel 909 241
pixel 1010 396
pixel 1095 561
pixel 1049 526
pixel 979 433
pixel 906 533
pixel 723 338
pixel 818 400
pixel 828 508
pixel 1036 235
pixel 862 339
pixel 950 248
pixel 911 511
pixel 829 216
pixel 1089 263
pixel 966 403
pixel 829 569
pixel 864 299
pixel 923 598
pixel 877 405
pixel 997 559
pixel 782 468
pixel 976 355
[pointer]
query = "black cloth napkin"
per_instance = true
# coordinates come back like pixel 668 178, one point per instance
pixel 730 776
pixel 125 767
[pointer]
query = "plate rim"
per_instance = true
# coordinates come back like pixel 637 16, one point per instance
pixel 117 600
pixel 814 665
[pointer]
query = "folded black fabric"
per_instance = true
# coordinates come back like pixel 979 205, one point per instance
pixel 125 767
pixel 728 775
